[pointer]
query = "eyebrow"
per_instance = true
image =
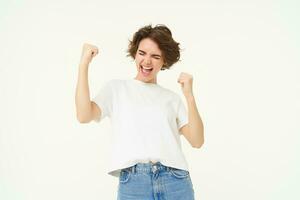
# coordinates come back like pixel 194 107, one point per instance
pixel 152 54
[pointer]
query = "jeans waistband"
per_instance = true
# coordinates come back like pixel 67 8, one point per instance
pixel 148 167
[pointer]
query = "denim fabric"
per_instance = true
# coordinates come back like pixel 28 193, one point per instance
pixel 154 181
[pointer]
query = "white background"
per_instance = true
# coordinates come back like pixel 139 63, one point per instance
pixel 243 55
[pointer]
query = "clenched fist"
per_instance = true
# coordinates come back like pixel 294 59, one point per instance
pixel 88 52
pixel 186 81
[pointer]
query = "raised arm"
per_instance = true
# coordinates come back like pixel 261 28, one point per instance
pixel 86 110
pixel 194 130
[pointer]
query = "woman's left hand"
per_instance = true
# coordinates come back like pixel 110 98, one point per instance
pixel 186 81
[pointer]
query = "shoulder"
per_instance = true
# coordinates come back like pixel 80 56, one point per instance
pixel 114 82
pixel 174 95
pixel 117 85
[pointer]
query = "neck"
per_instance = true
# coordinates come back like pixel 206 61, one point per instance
pixel 150 81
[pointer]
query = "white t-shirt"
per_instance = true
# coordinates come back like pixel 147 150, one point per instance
pixel 145 119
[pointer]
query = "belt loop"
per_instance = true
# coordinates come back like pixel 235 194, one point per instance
pixel 168 168
pixel 132 169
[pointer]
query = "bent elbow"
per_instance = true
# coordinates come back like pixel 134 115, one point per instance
pixel 82 120
pixel 198 146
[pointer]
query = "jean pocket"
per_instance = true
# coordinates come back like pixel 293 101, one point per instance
pixel 124 176
pixel 179 173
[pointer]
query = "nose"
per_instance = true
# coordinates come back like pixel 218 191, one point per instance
pixel 148 61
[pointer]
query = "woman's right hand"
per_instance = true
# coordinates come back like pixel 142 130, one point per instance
pixel 88 53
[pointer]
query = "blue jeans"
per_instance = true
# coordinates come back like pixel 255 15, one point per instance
pixel 154 181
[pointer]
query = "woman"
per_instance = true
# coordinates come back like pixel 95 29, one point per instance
pixel 147 119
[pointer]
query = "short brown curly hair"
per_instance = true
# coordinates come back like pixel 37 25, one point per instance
pixel 161 35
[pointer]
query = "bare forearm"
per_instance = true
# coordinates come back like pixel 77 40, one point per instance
pixel 195 122
pixel 82 97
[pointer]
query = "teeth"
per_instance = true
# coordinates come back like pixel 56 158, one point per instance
pixel 145 67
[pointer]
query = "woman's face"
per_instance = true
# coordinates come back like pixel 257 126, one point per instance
pixel 148 56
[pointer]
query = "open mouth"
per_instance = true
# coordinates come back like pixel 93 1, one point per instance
pixel 146 71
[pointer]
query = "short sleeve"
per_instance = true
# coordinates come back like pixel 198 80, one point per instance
pixel 182 115
pixel 104 99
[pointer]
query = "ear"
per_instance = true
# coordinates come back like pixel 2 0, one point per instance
pixel 165 63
